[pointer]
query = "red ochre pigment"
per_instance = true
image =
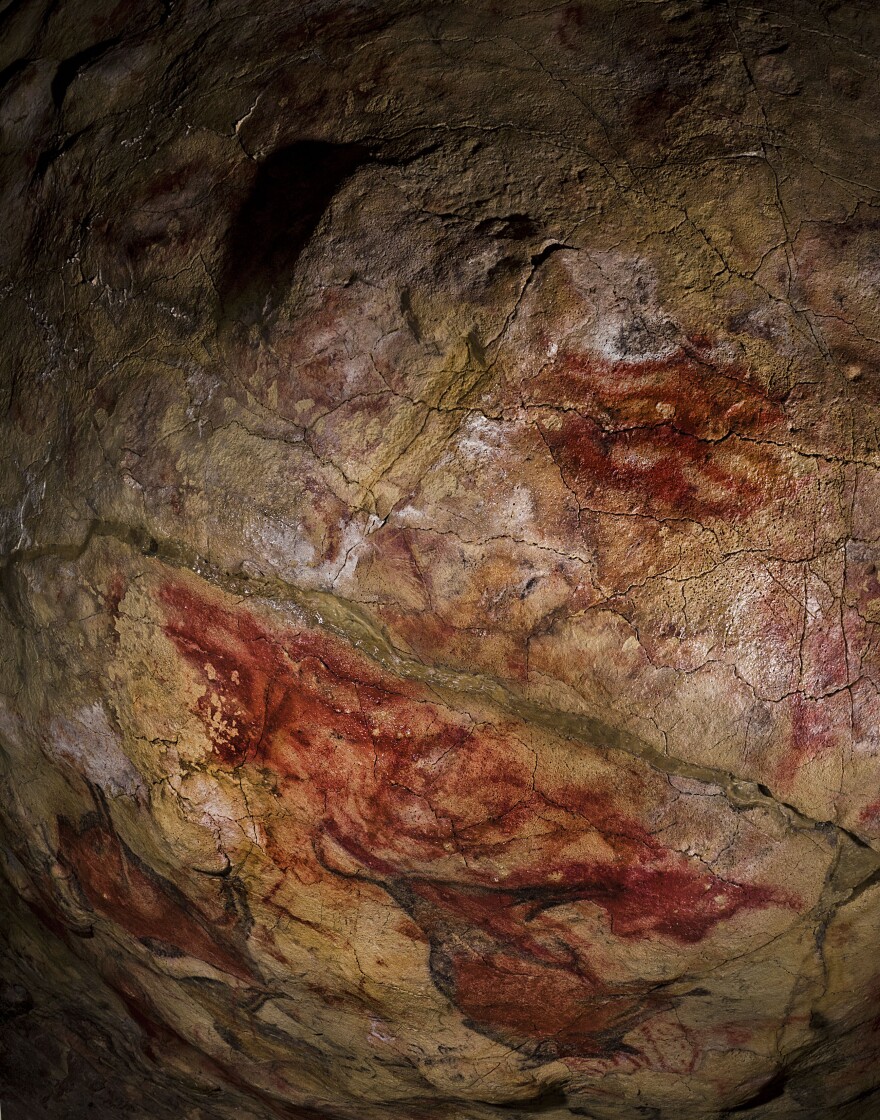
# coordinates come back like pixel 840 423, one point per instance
pixel 674 437
pixel 397 786
pixel 120 888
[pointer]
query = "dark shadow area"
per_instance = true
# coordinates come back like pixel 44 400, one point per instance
pixel 70 68
pixel 549 1101
pixel 292 189
pixel 770 1091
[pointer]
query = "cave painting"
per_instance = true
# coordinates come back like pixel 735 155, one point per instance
pixel 380 782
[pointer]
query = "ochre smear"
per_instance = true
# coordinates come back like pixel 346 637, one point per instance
pixel 396 788
pixel 121 888
pixel 671 437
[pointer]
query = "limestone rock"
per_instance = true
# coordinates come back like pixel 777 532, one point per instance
pixel 441 522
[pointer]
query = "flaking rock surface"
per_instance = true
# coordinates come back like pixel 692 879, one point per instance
pixel 440 636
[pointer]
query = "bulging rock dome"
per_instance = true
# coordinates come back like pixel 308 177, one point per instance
pixel 441 520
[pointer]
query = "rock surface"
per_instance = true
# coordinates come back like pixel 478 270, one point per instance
pixel 441 518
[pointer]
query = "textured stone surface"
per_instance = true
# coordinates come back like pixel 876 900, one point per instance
pixel 441 519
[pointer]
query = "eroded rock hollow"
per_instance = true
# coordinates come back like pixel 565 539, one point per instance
pixel 440 597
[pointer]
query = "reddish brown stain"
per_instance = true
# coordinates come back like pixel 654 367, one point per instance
pixel 163 1044
pixel 114 20
pixel 815 731
pixel 115 593
pixel 871 813
pixel 566 1014
pixel 119 888
pixel 657 471
pixel 439 813
pixel 50 916
pixel 703 398
pixel 157 1035
pixel 105 396
pixel 569 25
pixel 671 437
